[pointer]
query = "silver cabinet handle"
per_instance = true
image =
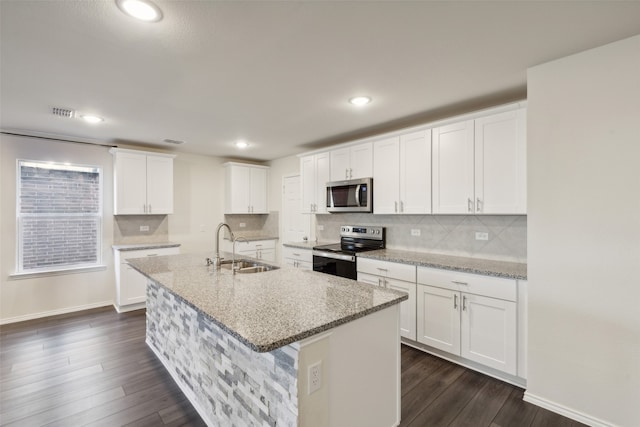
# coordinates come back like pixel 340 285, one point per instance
pixel 401 206
pixel 379 281
pixel 295 254
pixel 460 283
pixel 395 206
pixel 464 303
pixel 152 254
pixel 350 173
pixel 469 205
pixel 455 301
pixel 478 204
pixel 346 173
pixel 144 208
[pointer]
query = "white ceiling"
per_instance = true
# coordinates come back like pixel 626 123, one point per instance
pixel 278 74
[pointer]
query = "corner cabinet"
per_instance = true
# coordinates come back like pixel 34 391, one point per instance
pixel 245 188
pixel 131 286
pixel 143 182
pixel 314 173
pixel 479 166
pixel 402 174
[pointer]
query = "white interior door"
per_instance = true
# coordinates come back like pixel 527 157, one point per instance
pixel 295 225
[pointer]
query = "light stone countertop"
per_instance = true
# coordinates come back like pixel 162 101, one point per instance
pixel 266 310
pixel 141 246
pixel 305 245
pixel 509 270
pixel 252 237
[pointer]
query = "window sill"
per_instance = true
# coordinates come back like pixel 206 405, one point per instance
pixel 72 270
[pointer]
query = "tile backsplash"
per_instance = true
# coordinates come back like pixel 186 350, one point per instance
pixel 126 229
pixel 255 225
pixel 443 234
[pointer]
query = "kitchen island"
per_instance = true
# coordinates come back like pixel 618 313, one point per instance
pixel 283 347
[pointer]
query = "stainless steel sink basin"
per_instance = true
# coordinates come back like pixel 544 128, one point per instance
pixel 245 266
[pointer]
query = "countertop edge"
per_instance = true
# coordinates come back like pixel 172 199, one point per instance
pixel 141 246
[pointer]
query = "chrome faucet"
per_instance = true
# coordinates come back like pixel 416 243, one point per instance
pixel 233 253
pixel 217 260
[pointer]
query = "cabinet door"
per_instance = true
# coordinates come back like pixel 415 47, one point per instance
pixel 489 332
pixel 439 318
pixel 323 175
pixel 453 168
pixel 386 176
pixel 238 184
pixel 258 190
pixel 407 308
pixel 307 184
pixel 159 185
pixel 340 164
pixel 133 286
pixel 414 173
pixel 130 184
pixel 361 161
pixel 500 163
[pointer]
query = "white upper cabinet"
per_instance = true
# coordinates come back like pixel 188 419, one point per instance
pixel 245 189
pixel 352 162
pixel 143 182
pixel 501 163
pixel 402 174
pixel 479 166
pixel 315 173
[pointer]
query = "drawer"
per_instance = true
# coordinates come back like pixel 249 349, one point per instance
pixel 495 287
pixel 124 255
pixel 297 254
pixel 392 270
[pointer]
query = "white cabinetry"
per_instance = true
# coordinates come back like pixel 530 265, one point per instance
pixel 315 173
pixel 352 162
pixel 298 257
pixel 468 315
pixel 143 182
pixel 245 189
pixel 401 277
pixel 259 249
pixel 131 286
pixel 479 166
pixel 402 174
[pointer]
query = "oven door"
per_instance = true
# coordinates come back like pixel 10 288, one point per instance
pixel 336 264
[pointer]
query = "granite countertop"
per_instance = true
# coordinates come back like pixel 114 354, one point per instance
pixel 266 310
pixel 305 244
pixel 509 270
pixel 252 237
pixel 140 246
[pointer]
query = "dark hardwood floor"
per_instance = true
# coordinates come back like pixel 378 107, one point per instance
pixel 94 368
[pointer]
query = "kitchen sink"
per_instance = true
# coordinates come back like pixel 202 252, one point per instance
pixel 246 266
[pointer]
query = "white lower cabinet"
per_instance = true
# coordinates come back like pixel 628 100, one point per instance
pixel 470 316
pixel 297 257
pixel 264 250
pixel 131 286
pixel 401 277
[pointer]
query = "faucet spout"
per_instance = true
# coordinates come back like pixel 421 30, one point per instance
pixel 220 226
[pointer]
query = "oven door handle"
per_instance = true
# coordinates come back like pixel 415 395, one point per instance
pixel 331 255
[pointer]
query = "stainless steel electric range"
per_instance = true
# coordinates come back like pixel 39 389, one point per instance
pixel 339 259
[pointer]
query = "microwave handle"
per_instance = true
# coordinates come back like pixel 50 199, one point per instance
pixel 358 195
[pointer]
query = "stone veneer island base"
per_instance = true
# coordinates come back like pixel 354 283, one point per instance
pixel 231 380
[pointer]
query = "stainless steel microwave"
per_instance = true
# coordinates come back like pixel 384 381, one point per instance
pixel 353 195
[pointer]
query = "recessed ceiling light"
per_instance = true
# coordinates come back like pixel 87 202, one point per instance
pixel 143 10
pixel 242 145
pixel 91 118
pixel 360 100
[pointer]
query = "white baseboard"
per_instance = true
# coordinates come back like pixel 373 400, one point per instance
pixel 131 307
pixel 564 411
pixel 65 310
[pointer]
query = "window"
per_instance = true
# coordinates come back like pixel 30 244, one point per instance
pixel 59 216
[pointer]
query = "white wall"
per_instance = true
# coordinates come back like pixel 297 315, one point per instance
pixel 198 206
pixel 38 296
pixel 584 234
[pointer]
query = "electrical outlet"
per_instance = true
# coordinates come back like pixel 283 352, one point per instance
pixel 482 235
pixel 415 231
pixel 243 224
pixel 144 228
pixel 315 377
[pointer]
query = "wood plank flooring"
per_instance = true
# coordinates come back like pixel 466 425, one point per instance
pixel 93 368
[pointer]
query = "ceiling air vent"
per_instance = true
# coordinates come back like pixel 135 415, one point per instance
pixel 63 112
pixel 173 141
